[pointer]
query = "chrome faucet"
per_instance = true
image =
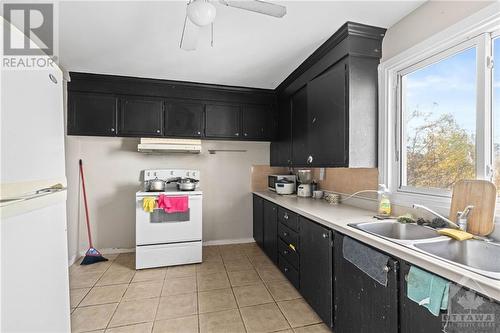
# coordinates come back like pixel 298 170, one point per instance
pixel 449 222
pixel 463 217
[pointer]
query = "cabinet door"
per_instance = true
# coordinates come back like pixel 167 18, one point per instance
pixel 316 273
pixel 141 116
pixel 327 117
pixel 184 119
pixel 258 217
pixel 299 128
pixel 257 122
pixel 222 121
pixel 281 147
pixel 363 305
pixel 271 230
pixel 92 114
pixel 415 318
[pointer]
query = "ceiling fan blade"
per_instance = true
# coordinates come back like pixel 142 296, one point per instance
pixel 189 37
pixel 257 6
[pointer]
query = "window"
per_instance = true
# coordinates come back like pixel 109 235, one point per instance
pixel 440 113
pixel 439 122
pixel 496 112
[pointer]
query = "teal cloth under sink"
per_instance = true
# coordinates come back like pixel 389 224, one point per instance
pixel 428 290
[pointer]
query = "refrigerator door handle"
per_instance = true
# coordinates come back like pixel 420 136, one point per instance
pixel 38 194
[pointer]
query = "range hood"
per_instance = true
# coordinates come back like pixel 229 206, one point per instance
pixel 165 146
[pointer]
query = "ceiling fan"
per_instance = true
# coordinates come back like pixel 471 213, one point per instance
pixel 201 13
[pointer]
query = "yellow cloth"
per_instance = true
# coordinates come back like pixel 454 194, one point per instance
pixel 456 234
pixel 148 204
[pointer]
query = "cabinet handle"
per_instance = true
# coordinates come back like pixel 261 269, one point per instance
pixel 158 131
pixel 387 269
pixel 314 120
pixel 237 134
pixel 309 159
pixel 286 269
pixel 112 129
pixel 198 132
pixel 285 234
pixel 245 134
pixel 285 252
pixel 286 216
pixel 325 235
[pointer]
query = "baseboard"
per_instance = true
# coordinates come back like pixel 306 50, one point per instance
pixel 229 241
pixel 72 260
pixel 112 250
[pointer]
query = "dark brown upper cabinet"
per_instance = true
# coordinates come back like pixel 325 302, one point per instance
pixel 184 119
pixel 326 116
pixel 140 116
pixel 222 121
pixel 331 99
pixel 92 114
pixel 257 122
pixel 298 104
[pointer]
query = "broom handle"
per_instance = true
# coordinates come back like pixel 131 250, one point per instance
pixel 85 201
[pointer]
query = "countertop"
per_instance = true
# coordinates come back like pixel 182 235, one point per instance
pixel 338 218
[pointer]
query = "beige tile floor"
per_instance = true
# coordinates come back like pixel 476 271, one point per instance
pixel 235 289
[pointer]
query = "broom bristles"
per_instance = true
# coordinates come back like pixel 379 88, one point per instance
pixel 92 256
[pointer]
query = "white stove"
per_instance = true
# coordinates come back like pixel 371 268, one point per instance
pixel 167 239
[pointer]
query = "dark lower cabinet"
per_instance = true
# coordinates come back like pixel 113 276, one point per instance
pixel 140 116
pixel 271 230
pixel 316 271
pixel 362 305
pixel 258 220
pixel 92 114
pixel 222 121
pixel 413 317
pixel 184 119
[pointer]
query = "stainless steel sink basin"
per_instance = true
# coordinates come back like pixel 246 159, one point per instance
pixel 475 255
pixel 396 230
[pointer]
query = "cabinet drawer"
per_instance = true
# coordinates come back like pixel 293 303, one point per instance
pixel 290 255
pixel 289 271
pixel 288 218
pixel 288 236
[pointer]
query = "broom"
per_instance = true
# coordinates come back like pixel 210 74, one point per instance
pixel 92 255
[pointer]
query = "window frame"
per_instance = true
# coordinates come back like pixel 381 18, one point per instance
pixel 400 115
pixel 477 30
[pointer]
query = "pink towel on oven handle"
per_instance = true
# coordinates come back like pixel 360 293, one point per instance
pixel 173 204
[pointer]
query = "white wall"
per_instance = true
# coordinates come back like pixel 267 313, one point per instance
pixel 112 168
pixel 423 22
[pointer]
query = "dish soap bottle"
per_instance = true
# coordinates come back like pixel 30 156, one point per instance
pixel 384 207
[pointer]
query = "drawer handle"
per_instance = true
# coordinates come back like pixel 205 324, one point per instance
pixel 286 216
pixel 286 269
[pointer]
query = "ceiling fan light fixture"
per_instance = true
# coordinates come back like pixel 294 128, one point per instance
pixel 201 12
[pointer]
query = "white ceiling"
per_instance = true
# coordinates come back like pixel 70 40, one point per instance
pixel 141 38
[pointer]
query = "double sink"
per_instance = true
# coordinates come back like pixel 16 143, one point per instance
pixel 482 257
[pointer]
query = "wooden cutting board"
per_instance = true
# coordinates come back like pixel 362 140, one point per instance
pixel 482 195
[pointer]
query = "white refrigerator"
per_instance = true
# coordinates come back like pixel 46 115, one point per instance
pixel 34 288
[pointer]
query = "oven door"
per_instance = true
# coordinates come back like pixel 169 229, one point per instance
pixel 162 228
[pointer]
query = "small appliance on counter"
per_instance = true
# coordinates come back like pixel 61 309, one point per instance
pixel 285 186
pixel 305 187
pixel 273 179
